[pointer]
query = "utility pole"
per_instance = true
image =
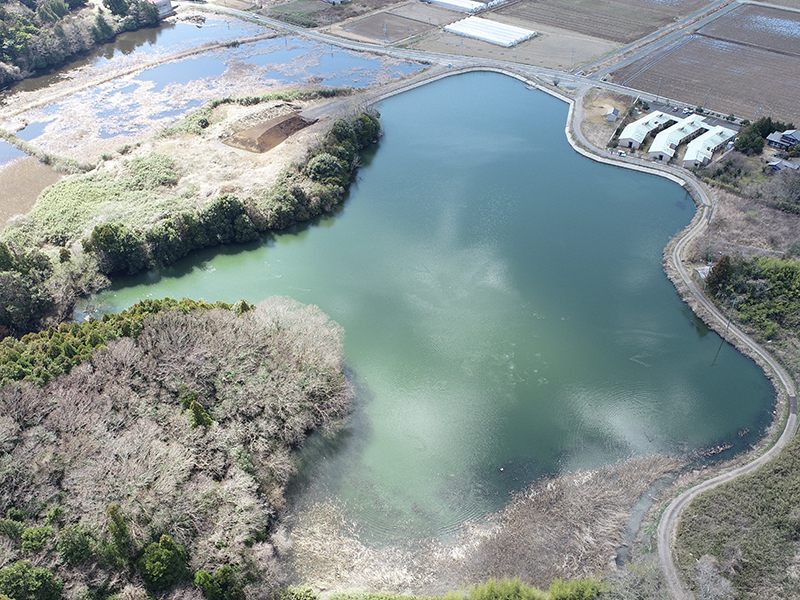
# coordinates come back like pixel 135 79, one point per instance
pixel 659 89
pixel 571 59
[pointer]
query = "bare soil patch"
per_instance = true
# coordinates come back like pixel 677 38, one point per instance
pixel 386 27
pixel 265 136
pixel 316 13
pixel 724 76
pixel 596 103
pixel 615 20
pixel 426 13
pixel 795 4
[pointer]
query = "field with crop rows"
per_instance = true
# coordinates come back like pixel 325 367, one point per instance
pixel 720 75
pixel 386 27
pixel 622 21
pixel 759 26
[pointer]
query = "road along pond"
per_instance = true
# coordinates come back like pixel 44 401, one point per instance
pixel 507 318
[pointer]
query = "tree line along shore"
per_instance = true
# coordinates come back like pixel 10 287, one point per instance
pixel 39 34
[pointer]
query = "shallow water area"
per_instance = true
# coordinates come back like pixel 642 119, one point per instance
pixel 84 121
pixel 506 314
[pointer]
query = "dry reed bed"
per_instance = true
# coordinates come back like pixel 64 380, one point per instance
pixel 567 526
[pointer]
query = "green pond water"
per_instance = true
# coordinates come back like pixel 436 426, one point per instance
pixel 505 309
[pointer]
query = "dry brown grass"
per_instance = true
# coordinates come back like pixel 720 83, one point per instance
pixel 594 125
pixel 745 226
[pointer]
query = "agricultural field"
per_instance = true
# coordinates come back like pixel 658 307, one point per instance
pixel 622 21
pixel 316 13
pixel 759 26
pixel 750 68
pixel 426 13
pixel 385 27
pixel 552 47
pixel 787 3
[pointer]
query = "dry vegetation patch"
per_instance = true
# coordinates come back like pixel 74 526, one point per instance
pixel 594 125
pixel 565 527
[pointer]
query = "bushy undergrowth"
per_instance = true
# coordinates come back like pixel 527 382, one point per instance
pixel 131 218
pixel 747 532
pixel 766 292
pixel 108 479
pixel 68 208
pixel 504 589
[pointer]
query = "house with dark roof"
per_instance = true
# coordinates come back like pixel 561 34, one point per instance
pixel 785 140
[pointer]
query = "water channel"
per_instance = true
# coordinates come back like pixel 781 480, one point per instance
pixel 505 308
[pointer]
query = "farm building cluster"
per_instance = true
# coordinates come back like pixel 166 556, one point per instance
pixel 703 138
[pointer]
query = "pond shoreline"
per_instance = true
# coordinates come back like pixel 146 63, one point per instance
pixel 672 253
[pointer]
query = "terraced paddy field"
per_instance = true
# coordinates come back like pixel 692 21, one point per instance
pixel 746 63
pixel 622 21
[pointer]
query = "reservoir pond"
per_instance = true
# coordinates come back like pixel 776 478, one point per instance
pixel 505 308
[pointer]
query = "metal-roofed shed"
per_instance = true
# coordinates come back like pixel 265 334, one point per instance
pixel 663 147
pixel 701 149
pixel 634 133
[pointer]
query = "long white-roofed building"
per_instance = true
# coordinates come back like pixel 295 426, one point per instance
pixel 663 147
pixel 701 149
pixel 634 133
pixel 490 31
pixel 463 5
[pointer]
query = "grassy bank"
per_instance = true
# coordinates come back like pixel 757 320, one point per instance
pixel 142 210
pixel 744 536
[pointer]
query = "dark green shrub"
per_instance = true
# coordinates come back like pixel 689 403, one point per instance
pixel 117 247
pixel 326 168
pixel 23 581
pixel 119 532
pixel 366 129
pixel 34 538
pixel 74 544
pixel 225 584
pixel 11 528
pixel 163 564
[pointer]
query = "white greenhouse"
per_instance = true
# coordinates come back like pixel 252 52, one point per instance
pixel 462 5
pixel 490 31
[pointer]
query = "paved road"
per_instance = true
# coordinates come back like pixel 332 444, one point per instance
pixel 669 519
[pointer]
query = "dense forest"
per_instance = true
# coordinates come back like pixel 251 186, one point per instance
pixel 158 460
pixel 36 34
